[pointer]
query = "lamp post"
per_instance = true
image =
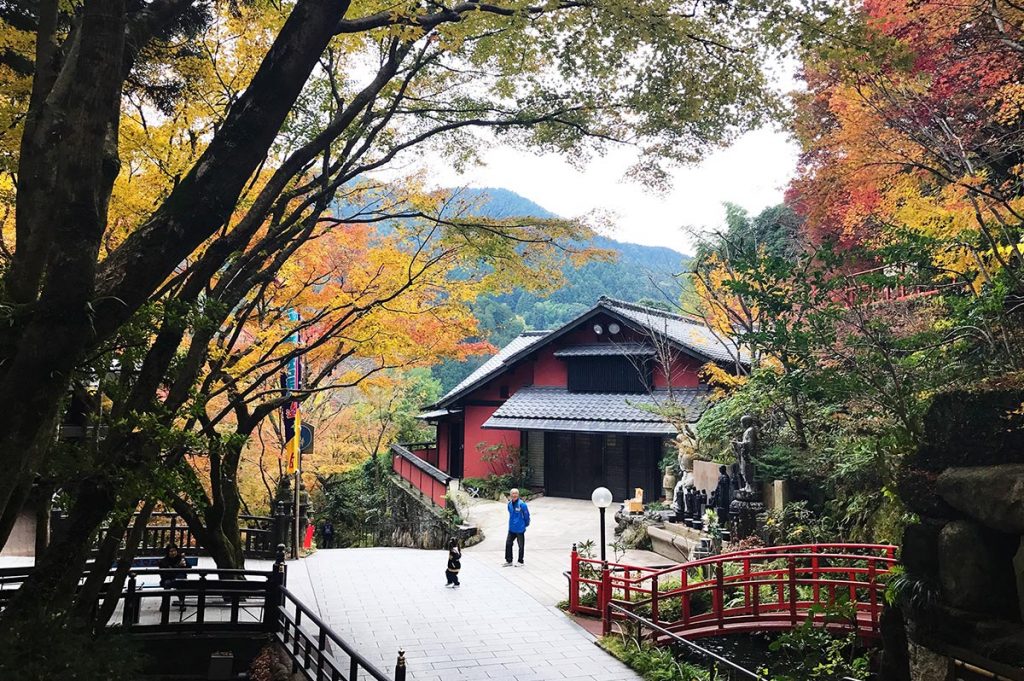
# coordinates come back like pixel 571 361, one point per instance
pixel 602 498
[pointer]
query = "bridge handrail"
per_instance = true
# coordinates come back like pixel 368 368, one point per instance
pixel 290 632
pixel 644 622
pixel 832 570
pixel 432 471
pixel 760 554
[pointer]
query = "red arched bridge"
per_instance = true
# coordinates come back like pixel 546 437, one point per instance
pixel 764 589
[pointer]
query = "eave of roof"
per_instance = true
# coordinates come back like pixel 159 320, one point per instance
pixel 581 426
pixel 530 407
pixel 606 350
pixel 629 314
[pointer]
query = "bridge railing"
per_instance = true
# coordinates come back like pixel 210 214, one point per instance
pixel 211 601
pixel 259 534
pixel 418 472
pixel 771 588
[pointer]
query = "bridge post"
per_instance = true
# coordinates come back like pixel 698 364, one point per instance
pixel 604 599
pixel 872 596
pixel 792 590
pixel 399 666
pixel 654 599
pixel 815 566
pixel 746 586
pixel 274 599
pixel 281 523
pixel 129 615
pixel 574 581
pixel 719 595
pixel 684 595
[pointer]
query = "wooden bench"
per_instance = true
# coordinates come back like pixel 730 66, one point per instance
pixel 154 562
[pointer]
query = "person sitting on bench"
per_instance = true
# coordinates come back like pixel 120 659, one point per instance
pixel 173 558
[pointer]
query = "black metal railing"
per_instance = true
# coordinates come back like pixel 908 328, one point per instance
pixel 259 534
pixel 718 666
pixel 320 654
pixel 211 601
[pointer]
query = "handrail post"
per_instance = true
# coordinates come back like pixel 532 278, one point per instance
pixel 792 590
pixel 719 594
pixel 274 598
pixel 129 616
pixel 746 586
pixel 400 666
pixel 815 566
pixel 684 595
pixel 654 599
pixel 604 598
pixel 574 580
pixel 872 596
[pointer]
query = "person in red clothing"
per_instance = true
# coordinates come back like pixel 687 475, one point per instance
pixel 307 543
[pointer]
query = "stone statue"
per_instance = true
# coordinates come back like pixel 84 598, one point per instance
pixel 745 450
pixel 681 497
pixel 686 447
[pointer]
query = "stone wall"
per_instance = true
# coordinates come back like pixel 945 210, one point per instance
pixel 412 521
pixel 964 559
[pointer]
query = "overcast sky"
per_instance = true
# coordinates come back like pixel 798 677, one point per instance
pixel 753 173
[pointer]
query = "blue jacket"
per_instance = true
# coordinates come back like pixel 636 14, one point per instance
pixel 519 517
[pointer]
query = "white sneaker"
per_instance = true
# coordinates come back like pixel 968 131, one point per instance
pixel 506 564
pixel 519 564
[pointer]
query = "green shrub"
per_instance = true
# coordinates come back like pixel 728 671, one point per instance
pixel 817 653
pixel 59 649
pixel 496 486
pixel 654 664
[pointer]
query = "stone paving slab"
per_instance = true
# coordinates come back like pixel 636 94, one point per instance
pixel 383 599
pixel 555 524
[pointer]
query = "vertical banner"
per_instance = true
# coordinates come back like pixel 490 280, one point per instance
pixel 291 413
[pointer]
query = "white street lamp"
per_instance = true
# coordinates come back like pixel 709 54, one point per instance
pixel 602 498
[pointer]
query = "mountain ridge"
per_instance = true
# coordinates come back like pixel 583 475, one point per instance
pixel 639 274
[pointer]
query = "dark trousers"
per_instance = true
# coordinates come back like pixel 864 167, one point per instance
pixel 453 577
pixel 517 537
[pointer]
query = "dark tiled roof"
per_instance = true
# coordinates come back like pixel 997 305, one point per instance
pixel 618 412
pixel 620 427
pixel 518 344
pixel 686 331
pixel 605 350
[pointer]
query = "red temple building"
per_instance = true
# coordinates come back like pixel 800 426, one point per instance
pixel 589 404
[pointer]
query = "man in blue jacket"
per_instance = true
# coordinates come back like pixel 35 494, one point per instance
pixel 518 521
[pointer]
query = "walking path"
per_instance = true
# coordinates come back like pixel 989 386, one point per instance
pixel 383 599
pixel 555 525
pixel 502 623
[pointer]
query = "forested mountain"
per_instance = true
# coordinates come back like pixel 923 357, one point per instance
pixel 638 273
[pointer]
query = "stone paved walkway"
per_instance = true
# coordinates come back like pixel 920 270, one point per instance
pixel 382 599
pixel 555 525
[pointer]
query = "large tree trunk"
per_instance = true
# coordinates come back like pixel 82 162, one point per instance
pixel 124 564
pixel 50 589
pixel 79 306
pixel 62 207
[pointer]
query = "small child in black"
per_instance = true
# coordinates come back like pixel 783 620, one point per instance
pixel 454 563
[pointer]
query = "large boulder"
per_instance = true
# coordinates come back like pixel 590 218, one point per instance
pixel 992 495
pixel 965 428
pixel 927 665
pixel 919 551
pixel 975 573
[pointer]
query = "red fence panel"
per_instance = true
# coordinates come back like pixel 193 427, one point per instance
pixel 723 594
pixel 413 466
